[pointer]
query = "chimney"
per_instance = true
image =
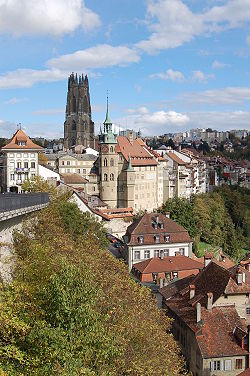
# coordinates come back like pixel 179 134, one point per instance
pixel 207 258
pixel 161 254
pixel 191 291
pixel 161 283
pixel 210 296
pixel 239 277
pixel 198 312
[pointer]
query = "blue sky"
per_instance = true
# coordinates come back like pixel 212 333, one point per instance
pixel 169 65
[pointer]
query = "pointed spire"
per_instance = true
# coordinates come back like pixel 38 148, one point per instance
pixel 100 129
pixel 129 168
pixel 107 120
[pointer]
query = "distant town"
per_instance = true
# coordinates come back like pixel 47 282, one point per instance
pixel 174 209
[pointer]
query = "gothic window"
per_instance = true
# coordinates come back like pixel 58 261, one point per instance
pixel 105 163
pixel 105 177
pixel 112 177
pixel 111 162
pixel 74 104
pixel 85 104
pixel 111 149
pixel 74 126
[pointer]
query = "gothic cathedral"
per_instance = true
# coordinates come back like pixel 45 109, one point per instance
pixel 78 126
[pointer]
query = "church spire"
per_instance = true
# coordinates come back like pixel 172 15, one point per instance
pixel 107 120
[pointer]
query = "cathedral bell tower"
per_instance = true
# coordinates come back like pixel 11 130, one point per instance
pixel 78 125
pixel 108 163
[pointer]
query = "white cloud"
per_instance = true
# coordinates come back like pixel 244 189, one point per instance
pixel 28 77
pixel 172 23
pixel 7 128
pixel 100 56
pixel 55 17
pixel 218 65
pixel 248 39
pixel 220 120
pixel 163 117
pixel 14 100
pixel 201 77
pixel 225 96
pixel 170 74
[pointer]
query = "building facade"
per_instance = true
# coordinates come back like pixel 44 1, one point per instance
pixel 20 162
pixel 78 126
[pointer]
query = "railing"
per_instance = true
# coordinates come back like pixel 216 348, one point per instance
pixel 14 201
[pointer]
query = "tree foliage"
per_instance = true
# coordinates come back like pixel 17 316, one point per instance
pixel 220 218
pixel 72 308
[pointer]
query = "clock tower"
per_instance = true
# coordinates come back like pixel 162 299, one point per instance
pixel 108 163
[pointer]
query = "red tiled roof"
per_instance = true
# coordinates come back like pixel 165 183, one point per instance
pixel 22 137
pixel 73 179
pixel 167 264
pixel 176 286
pixel 217 339
pixel 143 226
pixel 245 373
pixel 175 158
pixel 139 154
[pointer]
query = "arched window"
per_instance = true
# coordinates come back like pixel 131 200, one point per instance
pixel 74 126
pixel 85 105
pixel 111 149
pixel 105 162
pixel 105 177
pixel 112 177
pixel 111 162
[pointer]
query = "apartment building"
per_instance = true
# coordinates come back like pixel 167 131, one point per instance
pixel 155 235
pixel 76 163
pixel 20 162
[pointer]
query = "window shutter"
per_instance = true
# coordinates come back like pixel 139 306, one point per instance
pixel 211 366
pixel 221 365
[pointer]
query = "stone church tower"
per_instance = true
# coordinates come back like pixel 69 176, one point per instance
pixel 108 163
pixel 78 126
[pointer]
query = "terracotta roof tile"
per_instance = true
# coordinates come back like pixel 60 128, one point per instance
pixel 167 264
pixel 245 373
pixel 175 158
pixel 73 179
pixel 140 156
pixel 20 136
pixel 143 226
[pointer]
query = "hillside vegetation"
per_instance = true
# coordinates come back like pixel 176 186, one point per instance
pixel 220 219
pixel 72 308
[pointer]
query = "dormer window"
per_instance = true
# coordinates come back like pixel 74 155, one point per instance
pixel 167 238
pixel 21 143
pixel 161 225
pixel 154 224
pixel 157 238
pixel 140 239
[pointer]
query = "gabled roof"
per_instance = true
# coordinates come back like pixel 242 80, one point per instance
pixel 20 136
pixel 175 158
pixel 73 179
pixel 144 226
pixel 137 150
pixel 167 264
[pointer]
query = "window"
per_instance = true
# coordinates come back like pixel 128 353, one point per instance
pixel 112 177
pixel 248 310
pixel 157 238
pixel 228 365
pixel 175 274
pixel 111 162
pixel 137 255
pixel 12 177
pixel 26 164
pixel 215 365
pixel 33 176
pixel 140 239
pixel 33 165
pixel 166 252
pixel 93 189
pixel 68 163
pixel 26 176
pixel 156 253
pixel 181 251
pixel 62 163
pixel 84 171
pixel 68 170
pixel 167 238
pixel 146 254
pixel 19 164
pixel 105 177
pixel 25 155
pixel 238 364
pixel 154 276
pixel 105 162
pixel 19 177
pixel 111 149
pixel 168 276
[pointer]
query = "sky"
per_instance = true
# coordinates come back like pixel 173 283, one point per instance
pixel 168 65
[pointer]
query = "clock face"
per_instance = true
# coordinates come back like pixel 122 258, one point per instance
pixel 105 149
